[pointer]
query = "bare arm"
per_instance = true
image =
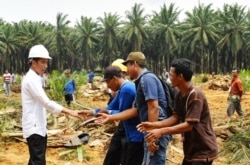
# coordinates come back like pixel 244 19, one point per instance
pixel 172 120
pixel 74 113
pixel 155 134
pixel 66 111
pixel 153 112
pixel 146 126
pixel 124 115
pixel 176 129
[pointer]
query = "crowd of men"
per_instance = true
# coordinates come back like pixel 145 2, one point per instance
pixel 139 103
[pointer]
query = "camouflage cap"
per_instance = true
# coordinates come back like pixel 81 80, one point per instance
pixel 136 56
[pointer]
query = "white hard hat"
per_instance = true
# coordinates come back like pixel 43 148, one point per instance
pixel 39 51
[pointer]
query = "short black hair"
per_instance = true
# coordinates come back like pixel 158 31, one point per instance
pixel 112 71
pixel 33 59
pixel 183 66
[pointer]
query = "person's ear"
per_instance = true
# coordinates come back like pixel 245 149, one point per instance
pixel 181 75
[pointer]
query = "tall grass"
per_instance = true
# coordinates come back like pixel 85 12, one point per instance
pixel 80 78
pixel 57 82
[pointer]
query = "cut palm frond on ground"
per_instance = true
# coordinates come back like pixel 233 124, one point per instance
pixel 237 148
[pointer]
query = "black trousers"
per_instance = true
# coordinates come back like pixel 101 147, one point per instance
pixel 68 98
pixel 196 163
pixel 37 149
pixel 116 153
pixel 135 153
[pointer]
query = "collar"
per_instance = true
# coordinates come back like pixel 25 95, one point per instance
pixel 142 72
pixel 34 73
pixel 123 83
pixel 190 88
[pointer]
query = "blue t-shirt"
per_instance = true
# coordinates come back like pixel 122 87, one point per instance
pixel 122 101
pixel 91 77
pixel 69 87
pixel 150 88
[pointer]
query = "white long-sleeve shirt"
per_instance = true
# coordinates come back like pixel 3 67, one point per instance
pixel 34 105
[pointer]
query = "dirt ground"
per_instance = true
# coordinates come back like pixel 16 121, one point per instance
pixel 13 152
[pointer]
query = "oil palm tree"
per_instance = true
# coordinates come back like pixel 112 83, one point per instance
pixel 233 20
pixel 246 46
pixel 199 33
pixel 62 44
pixel 29 34
pixel 165 31
pixel 87 32
pixel 8 47
pixel 109 38
pixel 134 29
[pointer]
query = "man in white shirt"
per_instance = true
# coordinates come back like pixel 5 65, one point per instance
pixel 34 105
pixel 14 77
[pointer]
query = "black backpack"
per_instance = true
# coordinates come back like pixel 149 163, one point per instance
pixel 169 93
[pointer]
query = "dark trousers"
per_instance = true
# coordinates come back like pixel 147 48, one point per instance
pixel 37 149
pixel 135 153
pixel 68 98
pixel 117 148
pixel 196 163
pixel 234 105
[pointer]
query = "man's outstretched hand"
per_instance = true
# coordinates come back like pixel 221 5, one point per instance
pixel 145 126
pixel 102 118
pixel 153 135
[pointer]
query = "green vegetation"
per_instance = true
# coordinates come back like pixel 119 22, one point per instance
pixel 57 82
pixel 214 39
pixel 245 78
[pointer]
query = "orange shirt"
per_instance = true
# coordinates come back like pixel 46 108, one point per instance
pixel 236 87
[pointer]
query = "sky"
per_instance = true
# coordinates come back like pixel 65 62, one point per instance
pixel 46 10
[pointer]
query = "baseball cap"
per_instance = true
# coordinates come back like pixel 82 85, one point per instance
pixel 118 62
pixel 136 56
pixel 112 71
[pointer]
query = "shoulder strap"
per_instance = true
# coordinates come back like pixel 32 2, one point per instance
pixel 167 90
pixel 138 80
